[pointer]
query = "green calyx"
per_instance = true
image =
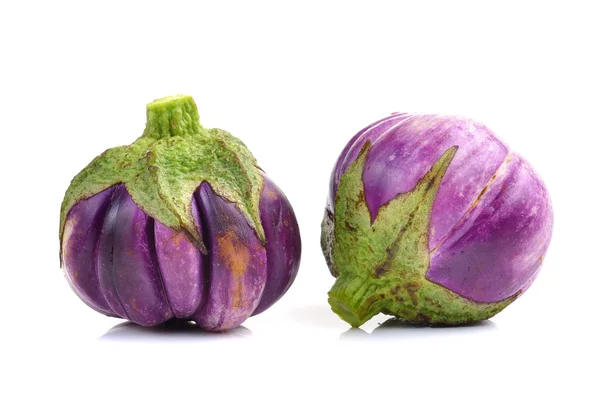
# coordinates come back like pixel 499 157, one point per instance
pixel 381 266
pixel 162 169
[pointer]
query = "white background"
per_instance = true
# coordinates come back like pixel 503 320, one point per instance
pixel 295 82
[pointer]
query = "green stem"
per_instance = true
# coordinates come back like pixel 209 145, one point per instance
pixel 172 116
pixel 356 300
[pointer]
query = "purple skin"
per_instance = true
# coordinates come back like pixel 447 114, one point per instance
pixel 127 263
pixel 491 222
pixel 183 268
pixel 81 233
pixel 237 266
pixel 283 244
pixel 123 263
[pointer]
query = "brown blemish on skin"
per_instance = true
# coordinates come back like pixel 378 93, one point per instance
pixel 270 193
pixel 237 258
pixel 75 275
pixel 133 305
pixel 479 197
pixel 176 238
pixel 286 223
pixel 68 239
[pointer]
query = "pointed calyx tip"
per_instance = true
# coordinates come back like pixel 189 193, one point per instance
pixel 176 115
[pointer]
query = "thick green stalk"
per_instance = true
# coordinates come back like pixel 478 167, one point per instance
pixel 356 300
pixel 172 116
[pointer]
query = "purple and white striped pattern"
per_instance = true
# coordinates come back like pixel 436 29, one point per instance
pixel 491 222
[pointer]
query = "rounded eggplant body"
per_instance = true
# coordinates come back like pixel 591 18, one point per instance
pixel 491 219
pixel 123 263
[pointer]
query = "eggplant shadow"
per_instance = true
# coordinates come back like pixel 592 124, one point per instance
pixel 394 328
pixel 169 331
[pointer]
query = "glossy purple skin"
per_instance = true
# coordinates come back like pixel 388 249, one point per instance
pixel 182 267
pixel 123 263
pixel 127 263
pixel 81 235
pixel 237 267
pixel 491 222
pixel 283 244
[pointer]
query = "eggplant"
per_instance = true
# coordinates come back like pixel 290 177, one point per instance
pixel 182 224
pixel 434 220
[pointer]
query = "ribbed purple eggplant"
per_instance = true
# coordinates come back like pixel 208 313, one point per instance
pixel 124 261
pixel 121 262
pixel 485 232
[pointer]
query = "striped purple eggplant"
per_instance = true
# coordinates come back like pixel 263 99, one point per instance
pixel 181 224
pixel 432 219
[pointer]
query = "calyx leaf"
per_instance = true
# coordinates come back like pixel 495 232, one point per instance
pixel 162 169
pixel 382 266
